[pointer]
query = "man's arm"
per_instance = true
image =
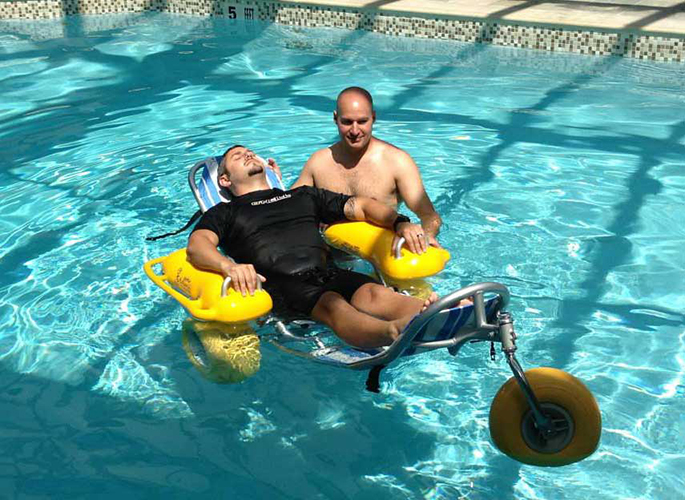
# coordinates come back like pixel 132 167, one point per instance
pixel 306 177
pixel 411 191
pixel 202 253
pixel 367 209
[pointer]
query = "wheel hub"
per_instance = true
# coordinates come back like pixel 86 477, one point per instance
pixel 555 441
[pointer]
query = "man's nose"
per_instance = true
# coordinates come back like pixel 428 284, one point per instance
pixel 355 128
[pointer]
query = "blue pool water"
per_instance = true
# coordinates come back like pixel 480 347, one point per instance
pixel 560 176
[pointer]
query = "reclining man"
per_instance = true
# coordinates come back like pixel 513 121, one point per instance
pixel 274 236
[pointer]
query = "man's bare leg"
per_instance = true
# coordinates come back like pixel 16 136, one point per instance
pixel 384 303
pixel 355 327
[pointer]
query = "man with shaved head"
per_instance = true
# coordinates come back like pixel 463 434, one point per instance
pixel 359 164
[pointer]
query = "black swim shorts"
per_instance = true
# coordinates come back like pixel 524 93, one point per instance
pixel 298 293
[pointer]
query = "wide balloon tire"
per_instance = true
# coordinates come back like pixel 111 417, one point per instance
pixel 563 398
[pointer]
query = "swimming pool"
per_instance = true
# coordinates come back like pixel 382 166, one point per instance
pixel 558 175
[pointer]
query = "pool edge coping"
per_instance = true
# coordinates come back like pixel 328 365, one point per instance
pixel 408 21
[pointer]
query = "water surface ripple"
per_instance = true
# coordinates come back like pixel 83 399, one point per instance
pixel 558 175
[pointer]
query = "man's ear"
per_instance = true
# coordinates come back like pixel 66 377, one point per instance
pixel 373 116
pixel 335 116
pixel 224 182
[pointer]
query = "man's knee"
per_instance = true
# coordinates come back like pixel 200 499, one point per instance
pixel 370 292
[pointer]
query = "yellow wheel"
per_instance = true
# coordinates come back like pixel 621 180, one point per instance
pixel 564 399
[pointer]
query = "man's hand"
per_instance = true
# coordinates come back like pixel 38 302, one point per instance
pixel 244 278
pixel 413 235
pixel 274 166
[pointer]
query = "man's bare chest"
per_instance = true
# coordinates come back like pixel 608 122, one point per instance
pixel 363 180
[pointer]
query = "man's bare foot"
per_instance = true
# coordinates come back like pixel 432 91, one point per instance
pixel 397 326
pixel 465 302
pixel 430 300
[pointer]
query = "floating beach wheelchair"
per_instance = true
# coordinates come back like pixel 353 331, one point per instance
pixel 543 416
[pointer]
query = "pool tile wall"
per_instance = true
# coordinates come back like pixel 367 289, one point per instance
pixel 593 42
pixel 516 35
pixel 33 9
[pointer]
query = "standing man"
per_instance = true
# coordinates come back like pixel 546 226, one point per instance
pixel 362 165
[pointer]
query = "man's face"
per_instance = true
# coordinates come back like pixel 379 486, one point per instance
pixel 242 163
pixel 354 119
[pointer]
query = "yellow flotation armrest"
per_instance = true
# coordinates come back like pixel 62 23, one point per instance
pixel 204 294
pixel 374 244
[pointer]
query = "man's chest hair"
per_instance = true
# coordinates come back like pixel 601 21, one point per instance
pixel 365 179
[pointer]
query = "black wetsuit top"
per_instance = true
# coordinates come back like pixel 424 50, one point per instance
pixel 276 231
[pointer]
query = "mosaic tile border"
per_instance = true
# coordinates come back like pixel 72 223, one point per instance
pixel 635 45
pixel 514 35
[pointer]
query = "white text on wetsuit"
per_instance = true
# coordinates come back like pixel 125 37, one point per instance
pixel 271 200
